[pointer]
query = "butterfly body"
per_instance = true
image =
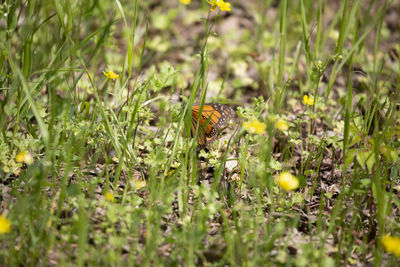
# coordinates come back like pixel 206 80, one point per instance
pixel 213 117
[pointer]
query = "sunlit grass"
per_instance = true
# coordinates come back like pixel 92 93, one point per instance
pixel 99 163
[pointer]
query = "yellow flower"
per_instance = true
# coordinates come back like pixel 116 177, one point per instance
pixel 282 125
pixel 111 75
pixel 139 184
pixel 224 6
pixel 254 127
pixel 391 244
pixel 25 157
pixel 185 2
pixel 109 196
pixel 287 181
pixel 308 100
pixel 5 225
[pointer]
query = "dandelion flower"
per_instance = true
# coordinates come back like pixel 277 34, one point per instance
pixel 282 125
pixel 287 181
pixel 139 184
pixel 185 2
pixel 308 100
pixel 111 75
pixel 25 157
pixel 391 244
pixel 223 6
pixel 5 225
pixel 255 127
pixel 109 196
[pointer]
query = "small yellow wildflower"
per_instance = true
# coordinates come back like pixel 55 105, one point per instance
pixel 109 196
pixel 287 181
pixel 391 244
pixel 223 6
pixel 308 100
pixel 139 184
pixel 255 127
pixel 185 2
pixel 282 125
pixel 25 157
pixel 5 225
pixel 111 75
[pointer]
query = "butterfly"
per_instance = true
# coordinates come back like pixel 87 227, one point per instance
pixel 213 117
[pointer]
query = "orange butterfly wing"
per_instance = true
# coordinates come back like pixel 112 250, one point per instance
pixel 213 117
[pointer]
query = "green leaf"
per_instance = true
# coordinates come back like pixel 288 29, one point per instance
pixel 366 159
pixel 349 157
pixel 275 165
